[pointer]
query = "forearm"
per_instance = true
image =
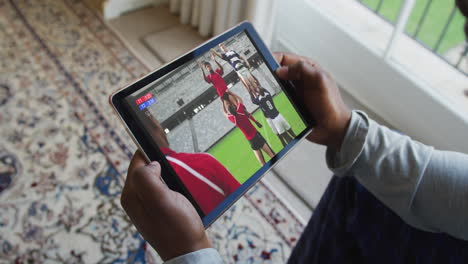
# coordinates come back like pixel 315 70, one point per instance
pixel 217 54
pixel 220 67
pixel 238 100
pixel 204 77
pixel 442 198
pixel 406 175
pixel 246 62
pixel 203 73
pixel 388 164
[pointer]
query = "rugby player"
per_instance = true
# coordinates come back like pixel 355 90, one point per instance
pixel 234 110
pixel 240 64
pixel 207 180
pixel 274 118
pixel 215 77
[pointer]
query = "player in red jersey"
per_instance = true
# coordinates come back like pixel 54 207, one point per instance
pixel 215 77
pixel 235 112
pixel 207 180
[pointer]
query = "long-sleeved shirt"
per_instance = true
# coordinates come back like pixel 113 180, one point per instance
pixel 427 188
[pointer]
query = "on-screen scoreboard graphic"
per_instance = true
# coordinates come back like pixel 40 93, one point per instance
pixel 145 101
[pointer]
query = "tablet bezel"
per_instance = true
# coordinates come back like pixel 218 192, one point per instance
pixel 152 152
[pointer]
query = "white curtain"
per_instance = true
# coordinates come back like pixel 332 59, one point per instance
pixel 213 17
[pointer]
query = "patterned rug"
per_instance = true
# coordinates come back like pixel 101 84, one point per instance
pixel 64 154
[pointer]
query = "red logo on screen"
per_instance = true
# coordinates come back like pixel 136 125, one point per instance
pixel 143 99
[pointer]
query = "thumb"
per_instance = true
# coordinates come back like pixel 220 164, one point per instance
pixel 147 183
pixel 138 160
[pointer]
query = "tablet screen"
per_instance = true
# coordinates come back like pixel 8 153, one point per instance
pixel 218 119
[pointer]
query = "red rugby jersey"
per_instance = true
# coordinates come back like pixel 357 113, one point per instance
pixel 207 180
pixel 218 82
pixel 242 122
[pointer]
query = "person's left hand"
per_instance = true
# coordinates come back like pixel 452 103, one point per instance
pixel 166 219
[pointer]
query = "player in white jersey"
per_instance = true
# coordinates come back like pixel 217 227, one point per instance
pixel 241 65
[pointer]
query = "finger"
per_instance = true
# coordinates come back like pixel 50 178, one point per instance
pixel 135 211
pixel 138 160
pixel 147 183
pixel 317 137
pixel 128 200
pixel 285 58
pixel 298 71
pixel 277 56
pixel 131 203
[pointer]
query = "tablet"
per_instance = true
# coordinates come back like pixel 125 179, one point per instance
pixel 216 119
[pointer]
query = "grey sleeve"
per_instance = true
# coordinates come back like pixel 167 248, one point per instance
pixel 206 256
pixel 427 188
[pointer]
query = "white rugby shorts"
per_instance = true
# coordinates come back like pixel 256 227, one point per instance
pixel 279 125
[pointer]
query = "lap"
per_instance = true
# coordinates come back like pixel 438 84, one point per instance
pixel 350 225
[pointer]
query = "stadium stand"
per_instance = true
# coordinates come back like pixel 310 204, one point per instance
pixel 208 119
pixel 180 139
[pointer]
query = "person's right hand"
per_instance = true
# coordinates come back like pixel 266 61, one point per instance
pixel 166 219
pixel 320 96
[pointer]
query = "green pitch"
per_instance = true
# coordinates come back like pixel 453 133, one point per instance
pixel 234 151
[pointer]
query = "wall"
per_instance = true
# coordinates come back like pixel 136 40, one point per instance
pixel 115 8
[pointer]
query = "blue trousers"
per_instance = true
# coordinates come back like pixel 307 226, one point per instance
pixel 350 225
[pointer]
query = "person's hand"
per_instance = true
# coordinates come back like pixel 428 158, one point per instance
pixel 320 95
pixel 199 65
pixel 166 219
